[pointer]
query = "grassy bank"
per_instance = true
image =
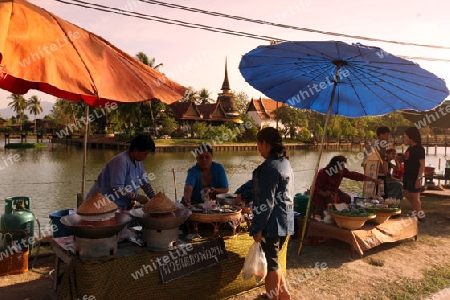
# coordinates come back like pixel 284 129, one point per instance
pixel 24 145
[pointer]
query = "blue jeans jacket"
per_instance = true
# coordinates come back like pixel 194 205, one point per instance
pixel 273 198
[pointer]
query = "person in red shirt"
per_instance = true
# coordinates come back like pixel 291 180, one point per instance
pixel 329 179
pixel 398 172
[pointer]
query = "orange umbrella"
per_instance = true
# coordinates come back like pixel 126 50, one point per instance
pixel 39 50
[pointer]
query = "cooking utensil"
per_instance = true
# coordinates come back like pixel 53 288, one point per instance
pixel 79 228
pixel 228 199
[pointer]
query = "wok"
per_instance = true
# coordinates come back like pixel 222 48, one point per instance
pixel 95 230
pixel 226 199
pixel 153 223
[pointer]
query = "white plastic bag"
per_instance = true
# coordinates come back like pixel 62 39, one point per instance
pixel 255 263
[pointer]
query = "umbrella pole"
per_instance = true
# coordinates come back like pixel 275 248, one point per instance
pixel 83 172
pixel 174 183
pixel 311 191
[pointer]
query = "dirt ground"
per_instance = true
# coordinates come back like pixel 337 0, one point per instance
pixel 343 278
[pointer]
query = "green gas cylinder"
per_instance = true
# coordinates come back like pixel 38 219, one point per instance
pixel 18 216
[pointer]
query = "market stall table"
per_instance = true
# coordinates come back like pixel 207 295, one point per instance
pixel 133 275
pixel 369 236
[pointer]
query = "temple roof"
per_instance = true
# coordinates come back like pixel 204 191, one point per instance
pixel 265 108
pixel 226 83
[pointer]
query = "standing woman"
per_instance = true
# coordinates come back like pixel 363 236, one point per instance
pixel 273 214
pixel 414 168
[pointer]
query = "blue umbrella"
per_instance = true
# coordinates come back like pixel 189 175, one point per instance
pixel 333 77
pixel 365 80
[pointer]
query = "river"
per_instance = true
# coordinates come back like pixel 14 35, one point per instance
pixel 51 176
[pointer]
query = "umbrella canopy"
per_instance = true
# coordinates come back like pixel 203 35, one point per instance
pixel 370 81
pixel 39 50
pixel 337 78
pixel 438 117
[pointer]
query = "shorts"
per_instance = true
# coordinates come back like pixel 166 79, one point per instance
pixel 410 185
pixel 271 247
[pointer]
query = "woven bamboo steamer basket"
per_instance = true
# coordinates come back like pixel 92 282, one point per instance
pixel 215 217
pixel 382 217
pixel 350 223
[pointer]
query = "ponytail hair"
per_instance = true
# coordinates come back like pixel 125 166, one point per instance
pixel 272 137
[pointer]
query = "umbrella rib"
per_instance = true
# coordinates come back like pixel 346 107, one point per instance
pixel 90 75
pixel 305 84
pixel 417 82
pixel 76 50
pixel 375 94
pixel 386 102
pixel 299 73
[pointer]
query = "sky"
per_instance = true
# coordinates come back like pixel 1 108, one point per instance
pixel 196 58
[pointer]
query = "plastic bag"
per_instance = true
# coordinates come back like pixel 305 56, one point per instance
pixel 255 263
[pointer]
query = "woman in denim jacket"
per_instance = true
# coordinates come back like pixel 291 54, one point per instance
pixel 273 214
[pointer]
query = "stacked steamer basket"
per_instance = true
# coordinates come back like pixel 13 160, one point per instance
pixel 95 227
pixel 160 219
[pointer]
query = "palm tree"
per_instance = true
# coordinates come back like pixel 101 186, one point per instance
pixel 142 57
pixel 35 108
pixel 18 104
pixel 191 95
pixel 203 96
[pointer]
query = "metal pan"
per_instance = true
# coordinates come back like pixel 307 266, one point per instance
pixel 152 223
pixel 103 229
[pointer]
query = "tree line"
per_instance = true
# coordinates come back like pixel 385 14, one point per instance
pixel 157 118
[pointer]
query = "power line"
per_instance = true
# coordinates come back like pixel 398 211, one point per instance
pixel 166 20
pixel 204 27
pixel 218 14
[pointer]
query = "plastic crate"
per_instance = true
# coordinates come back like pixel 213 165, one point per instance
pixel 12 260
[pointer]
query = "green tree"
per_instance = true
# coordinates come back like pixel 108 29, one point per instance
pixel 18 105
pixel 242 100
pixel 68 114
pixel 191 95
pixel 314 118
pixel 204 96
pixel 199 129
pixel 142 57
pixel 248 129
pixel 35 108
pixel 318 132
pixel 304 135
pixel 220 134
pixel 169 125
pixel 292 119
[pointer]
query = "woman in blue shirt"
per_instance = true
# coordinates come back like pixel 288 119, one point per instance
pixel 273 207
pixel 205 174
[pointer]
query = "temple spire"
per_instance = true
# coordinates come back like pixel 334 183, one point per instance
pixel 226 84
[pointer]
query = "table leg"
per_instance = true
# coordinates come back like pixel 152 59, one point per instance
pixel 216 228
pixel 235 223
pixel 195 224
pixel 56 273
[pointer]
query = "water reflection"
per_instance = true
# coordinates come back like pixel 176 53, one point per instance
pixel 52 176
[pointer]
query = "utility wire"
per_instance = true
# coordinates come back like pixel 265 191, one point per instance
pixel 224 30
pixel 218 14
pixel 166 20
